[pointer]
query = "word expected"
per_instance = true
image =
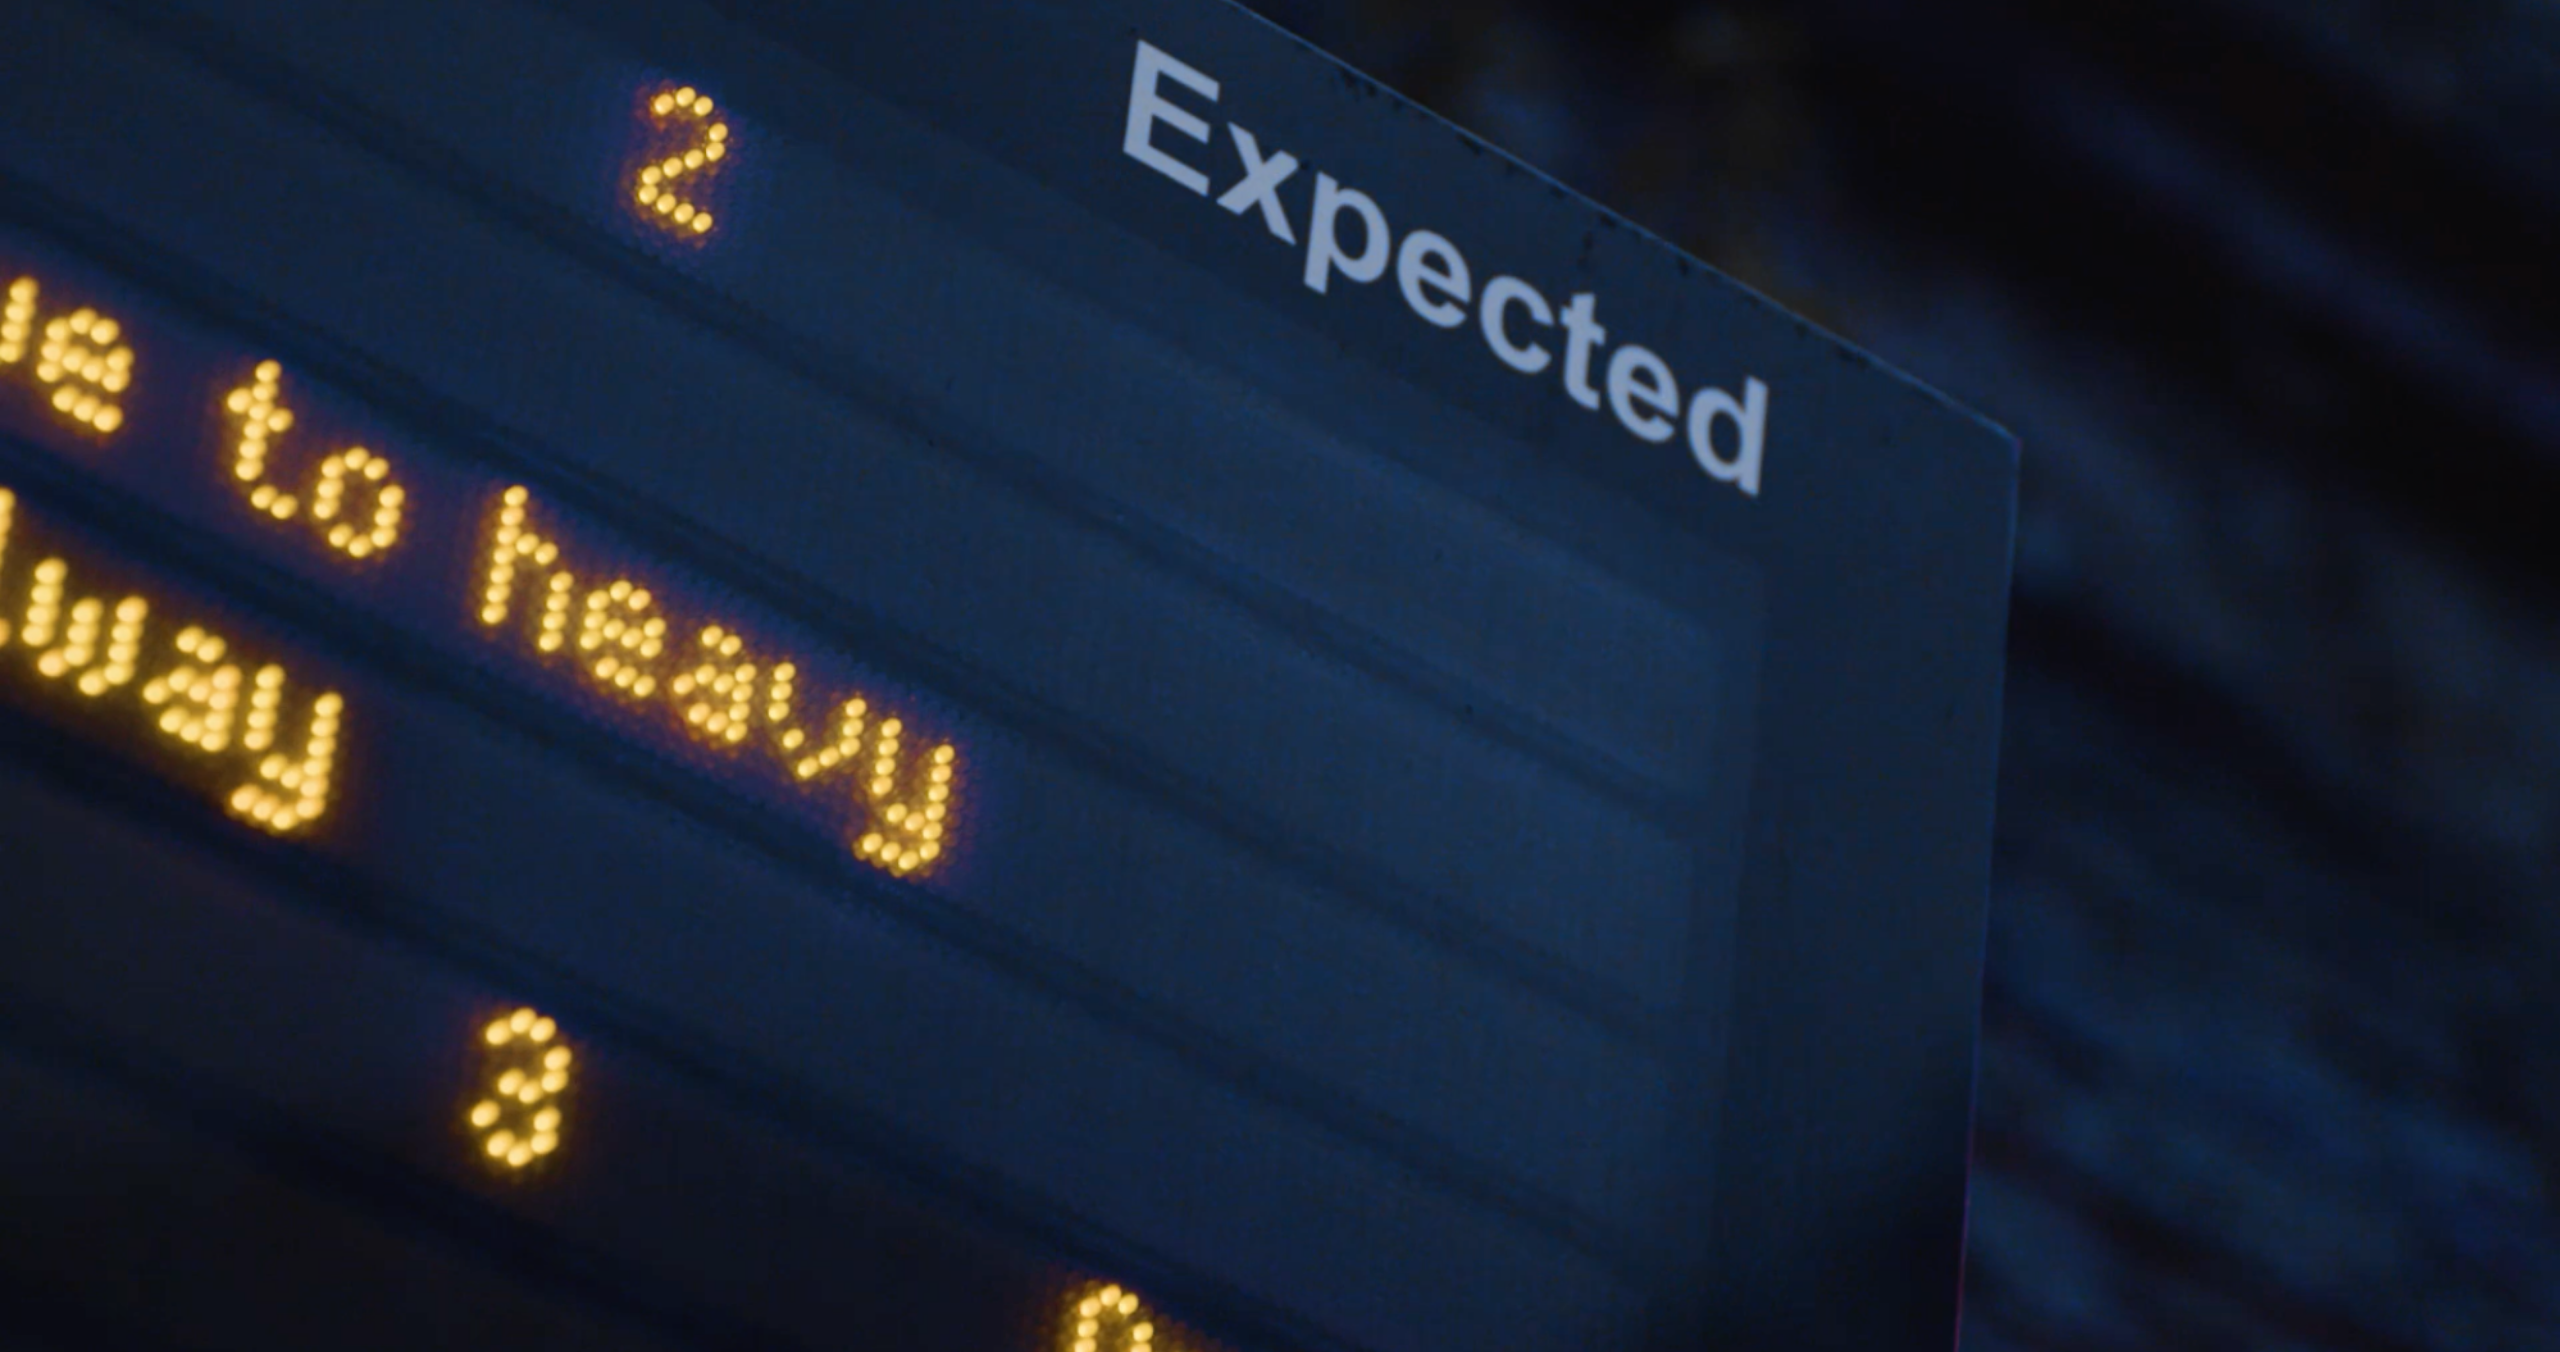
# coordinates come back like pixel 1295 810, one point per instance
pixel 516 1118
pixel 714 689
pixel 179 686
pixel 1438 284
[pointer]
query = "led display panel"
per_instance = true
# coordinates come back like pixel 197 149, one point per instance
pixel 1061 659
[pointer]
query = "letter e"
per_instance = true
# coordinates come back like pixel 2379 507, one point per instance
pixel 1146 109
pixel 1430 261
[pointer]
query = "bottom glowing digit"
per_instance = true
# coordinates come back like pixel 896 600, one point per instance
pixel 516 1118
pixel 1110 1318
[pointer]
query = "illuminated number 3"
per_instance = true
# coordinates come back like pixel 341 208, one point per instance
pixel 656 187
pixel 517 1117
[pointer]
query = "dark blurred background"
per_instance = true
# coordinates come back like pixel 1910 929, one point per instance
pixel 2270 290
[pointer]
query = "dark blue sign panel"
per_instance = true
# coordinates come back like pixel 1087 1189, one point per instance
pixel 1123 632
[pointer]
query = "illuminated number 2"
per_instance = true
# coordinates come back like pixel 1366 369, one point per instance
pixel 516 1119
pixel 660 188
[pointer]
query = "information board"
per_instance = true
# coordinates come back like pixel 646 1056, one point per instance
pixel 1116 645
